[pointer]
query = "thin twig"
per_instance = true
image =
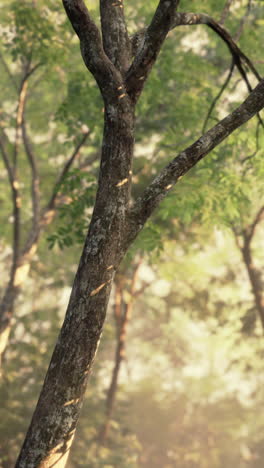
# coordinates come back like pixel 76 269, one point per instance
pixel 10 75
pixel 219 94
pixel 243 21
pixel 65 170
pixel 225 11
pixel 251 156
pixel 16 201
pixel 250 230
pixel 35 196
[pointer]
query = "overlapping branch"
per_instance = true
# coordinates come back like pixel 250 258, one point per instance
pixel 16 201
pixel 150 46
pixel 243 240
pixel 219 94
pixel 92 48
pixel 159 187
pixel 35 196
pixel 250 231
pixel 232 66
pixel 225 11
pixel 65 170
pixel 114 31
pixel 240 59
pixel 189 19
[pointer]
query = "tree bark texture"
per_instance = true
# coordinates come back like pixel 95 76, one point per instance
pixel 61 397
pixel 116 221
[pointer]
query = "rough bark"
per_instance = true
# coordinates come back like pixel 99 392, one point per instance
pixel 113 227
pixel 56 415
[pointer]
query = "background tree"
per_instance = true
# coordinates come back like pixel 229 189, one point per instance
pixel 29 32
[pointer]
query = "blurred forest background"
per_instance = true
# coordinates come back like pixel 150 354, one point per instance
pixel 178 380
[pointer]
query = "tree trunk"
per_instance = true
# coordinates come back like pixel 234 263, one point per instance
pixel 114 224
pixel 255 280
pixel 6 313
pixel 54 422
pixel 18 275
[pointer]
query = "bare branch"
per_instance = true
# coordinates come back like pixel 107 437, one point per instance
pixel 21 122
pixel 7 162
pixel 250 230
pixel 35 196
pixel 138 42
pixel 239 58
pixel 150 46
pixel 65 170
pixel 188 158
pixel 243 21
pixel 92 50
pixel 254 274
pixel 122 322
pixel 19 117
pixel 225 11
pixel 115 37
pixel 231 69
pixel 189 19
pixel 219 94
pixel 16 200
pixel 21 127
pixel 7 69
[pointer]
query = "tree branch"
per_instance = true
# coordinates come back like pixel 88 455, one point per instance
pixel 22 94
pixel 7 69
pixel 92 50
pixel 225 11
pixel 189 19
pixel 19 116
pixel 49 212
pixel 35 195
pixel 16 201
pixel 250 230
pixel 7 163
pixel 150 46
pixel 257 147
pixel 65 170
pixel 243 20
pixel 231 69
pixel 122 322
pixel 162 184
pixel 219 94
pixel 114 31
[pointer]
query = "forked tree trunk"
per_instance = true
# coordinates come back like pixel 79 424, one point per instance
pixel 114 223
pixel 54 421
